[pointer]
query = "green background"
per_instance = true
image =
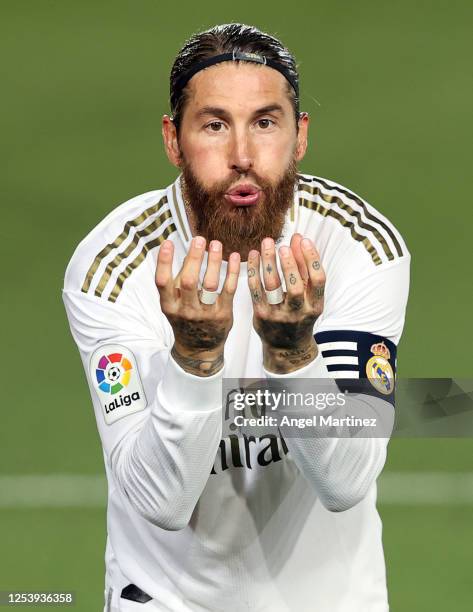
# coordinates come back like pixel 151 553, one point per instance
pixel 84 85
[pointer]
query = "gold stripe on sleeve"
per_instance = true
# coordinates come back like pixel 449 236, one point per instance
pixel 139 259
pixel 331 198
pixel 328 212
pixel 143 233
pixel 368 214
pixel 119 240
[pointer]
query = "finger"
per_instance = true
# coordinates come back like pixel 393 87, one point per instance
pixel 299 257
pixel 294 283
pixel 214 262
pixel 270 270
pixel 231 280
pixel 163 278
pixel 316 287
pixel 189 275
pixel 255 285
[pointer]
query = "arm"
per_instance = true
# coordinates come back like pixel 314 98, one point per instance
pixel 341 469
pixel 160 431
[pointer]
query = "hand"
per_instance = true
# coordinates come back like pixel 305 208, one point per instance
pixel 200 330
pixel 286 329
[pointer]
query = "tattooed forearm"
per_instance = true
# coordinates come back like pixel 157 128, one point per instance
pixel 198 335
pixel 195 364
pixel 297 355
pixel 282 362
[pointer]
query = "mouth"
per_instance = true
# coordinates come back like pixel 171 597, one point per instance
pixel 243 195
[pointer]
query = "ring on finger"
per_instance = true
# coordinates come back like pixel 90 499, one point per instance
pixel 208 297
pixel 276 296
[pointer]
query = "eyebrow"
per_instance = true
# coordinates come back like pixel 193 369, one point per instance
pixel 216 111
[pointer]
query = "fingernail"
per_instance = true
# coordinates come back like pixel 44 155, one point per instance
pixel 166 246
pixel 306 243
pixel 252 254
pixel 215 246
pixel 199 242
pixel 284 251
pixel 267 243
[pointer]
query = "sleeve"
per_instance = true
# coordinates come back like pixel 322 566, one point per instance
pixel 160 426
pixel 357 340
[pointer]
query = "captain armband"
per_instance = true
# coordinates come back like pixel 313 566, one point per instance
pixel 360 362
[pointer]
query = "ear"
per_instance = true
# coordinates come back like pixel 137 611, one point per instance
pixel 171 144
pixel 302 135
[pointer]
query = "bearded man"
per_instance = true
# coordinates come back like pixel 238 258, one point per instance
pixel 242 268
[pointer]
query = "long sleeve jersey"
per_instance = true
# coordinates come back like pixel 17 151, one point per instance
pixel 198 518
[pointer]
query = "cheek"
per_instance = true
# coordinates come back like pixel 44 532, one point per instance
pixel 273 160
pixel 207 163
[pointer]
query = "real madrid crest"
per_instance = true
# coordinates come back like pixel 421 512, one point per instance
pixel 379 370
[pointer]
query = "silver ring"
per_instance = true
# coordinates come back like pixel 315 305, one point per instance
pixel 276 296
pixel 208 297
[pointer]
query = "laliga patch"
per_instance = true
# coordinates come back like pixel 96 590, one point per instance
pixel 114 375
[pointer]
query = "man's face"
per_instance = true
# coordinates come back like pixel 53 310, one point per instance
pixel 237 148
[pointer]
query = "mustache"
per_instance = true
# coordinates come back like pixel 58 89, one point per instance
pixel 222 187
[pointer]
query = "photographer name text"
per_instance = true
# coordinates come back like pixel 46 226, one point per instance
pixel 302 422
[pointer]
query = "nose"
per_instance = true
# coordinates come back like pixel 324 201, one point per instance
pixel 240 158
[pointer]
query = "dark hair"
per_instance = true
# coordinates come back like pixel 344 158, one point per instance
pixel 227 38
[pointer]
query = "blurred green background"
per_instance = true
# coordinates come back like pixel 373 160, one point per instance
pixel 84 84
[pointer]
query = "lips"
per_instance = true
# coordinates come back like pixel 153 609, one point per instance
pixel 243 195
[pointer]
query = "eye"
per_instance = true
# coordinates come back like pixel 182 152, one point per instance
pixel 264 124
pixel 215 126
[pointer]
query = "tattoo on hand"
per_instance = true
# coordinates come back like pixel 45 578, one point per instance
pixel 251 272
pixel 256 295
pixel 319 292
pixel 296 303
pixel 292 278
pixel 284 334
pixel 316 265
pixel 196 365
pixel 200 335
pixel 269 268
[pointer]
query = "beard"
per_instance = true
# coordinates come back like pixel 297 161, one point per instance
pixel 238 228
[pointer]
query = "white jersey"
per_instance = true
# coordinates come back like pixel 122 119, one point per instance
pixel 200 520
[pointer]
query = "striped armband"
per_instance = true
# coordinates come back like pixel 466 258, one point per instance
pixel 361 362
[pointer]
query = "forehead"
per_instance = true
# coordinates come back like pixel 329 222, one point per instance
pixel 239 85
